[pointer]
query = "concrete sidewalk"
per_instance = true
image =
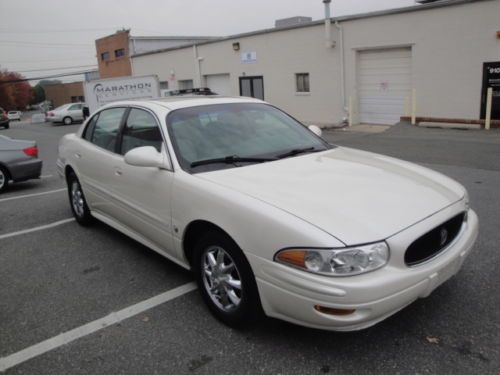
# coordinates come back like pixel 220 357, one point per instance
pixel 363 128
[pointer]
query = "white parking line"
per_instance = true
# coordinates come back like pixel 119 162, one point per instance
pixel 32 195
pixel 36 229
pixel 89 328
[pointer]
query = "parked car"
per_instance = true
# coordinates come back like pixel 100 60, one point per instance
pixel 67 113
pixel 14 115
pixel 4 119
pixel 18 161
pixel 268 215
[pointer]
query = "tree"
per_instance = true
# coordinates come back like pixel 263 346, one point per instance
pixel 14 95
pixel 38 94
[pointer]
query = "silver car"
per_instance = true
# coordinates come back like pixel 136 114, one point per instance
pixel 18 161
pixel 67 113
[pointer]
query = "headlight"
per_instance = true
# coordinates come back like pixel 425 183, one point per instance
pixel 337 262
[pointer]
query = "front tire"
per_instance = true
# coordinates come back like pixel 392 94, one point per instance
pixel 4 179
pixel 67 120
pixel 77 201
pixel 225 280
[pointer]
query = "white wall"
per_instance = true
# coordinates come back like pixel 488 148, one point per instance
pixel 449 46
pixel 279 56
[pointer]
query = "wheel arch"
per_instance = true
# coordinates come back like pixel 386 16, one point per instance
pixel 6 169
pixel 194 231
pixel 68 169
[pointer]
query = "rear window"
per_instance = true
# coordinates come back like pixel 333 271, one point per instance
pixel 107 127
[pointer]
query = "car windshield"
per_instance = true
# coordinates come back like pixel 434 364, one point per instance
pixel 219 136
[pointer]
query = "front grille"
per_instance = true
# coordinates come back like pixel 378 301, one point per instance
pixel 431 243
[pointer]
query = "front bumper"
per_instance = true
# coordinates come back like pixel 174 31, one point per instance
pixel 26 170
pixel 291 294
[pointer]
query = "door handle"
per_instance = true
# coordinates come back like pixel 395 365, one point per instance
pixel 118 172
pixel 78 156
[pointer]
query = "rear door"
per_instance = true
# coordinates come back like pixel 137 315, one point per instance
pixel 95 158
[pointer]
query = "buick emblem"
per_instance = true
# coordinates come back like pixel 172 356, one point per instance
pixel 443 236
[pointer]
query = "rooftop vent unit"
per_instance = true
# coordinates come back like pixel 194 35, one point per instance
pixel 292 21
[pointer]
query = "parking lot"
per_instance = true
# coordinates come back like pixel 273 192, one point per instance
pixel 93 301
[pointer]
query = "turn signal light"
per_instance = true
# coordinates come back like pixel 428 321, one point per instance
pixel 333 311
pixel 31 151
pixel 295 257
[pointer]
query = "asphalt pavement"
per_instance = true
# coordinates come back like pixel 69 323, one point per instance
pixel 56 276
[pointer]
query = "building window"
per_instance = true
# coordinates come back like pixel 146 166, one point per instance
pixel 164 85
pixel 185 84
pixel 302 82
pixel 77 99
pixel 120 52
pixel 105 56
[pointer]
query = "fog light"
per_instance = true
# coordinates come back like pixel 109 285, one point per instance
pixel 333 311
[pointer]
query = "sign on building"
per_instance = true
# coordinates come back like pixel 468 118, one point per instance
pixel 104 91
pixel 249 57
pixel 491 78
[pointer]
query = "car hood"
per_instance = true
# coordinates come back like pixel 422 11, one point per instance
pixel 356 196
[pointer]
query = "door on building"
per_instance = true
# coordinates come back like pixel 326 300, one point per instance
pixel 491 78
pixel 384 84
pixel 219 83
pixel 252 86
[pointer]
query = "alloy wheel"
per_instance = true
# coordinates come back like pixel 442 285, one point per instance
pixel 77 199
pixel 221 279
pixel 3 179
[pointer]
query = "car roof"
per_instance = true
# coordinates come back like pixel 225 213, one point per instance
pixel 177 102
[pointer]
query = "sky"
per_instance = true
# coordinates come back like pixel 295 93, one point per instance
pixel 39 37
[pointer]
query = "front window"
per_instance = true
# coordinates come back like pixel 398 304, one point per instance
pixel 140 130
pixel 237 131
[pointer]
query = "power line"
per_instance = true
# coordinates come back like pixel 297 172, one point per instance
pixel 44 44
pixel 51 60
pixel 46 77
pixel 60 68
pixel 9 30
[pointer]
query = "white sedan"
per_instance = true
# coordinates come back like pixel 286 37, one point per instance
pixel 268 216
pixel 67 113
pixel 14 115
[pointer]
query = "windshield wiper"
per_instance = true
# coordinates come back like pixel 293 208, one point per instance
pixel 297 151
pixel 230 160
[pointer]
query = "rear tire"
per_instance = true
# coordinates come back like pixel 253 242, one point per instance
pixel 225 280
pixel 77 201
pixel 67 120
pixel 7 125
pixel 4 179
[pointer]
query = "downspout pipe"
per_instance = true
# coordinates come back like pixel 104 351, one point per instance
pixel 197 67
pixel 342 64
pixel 328 24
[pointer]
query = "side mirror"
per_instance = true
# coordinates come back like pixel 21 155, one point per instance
pixel 147 156
pixel 316 130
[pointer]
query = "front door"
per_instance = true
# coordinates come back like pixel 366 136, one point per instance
pixel 491 78
pixel 144 192
pixel 252 87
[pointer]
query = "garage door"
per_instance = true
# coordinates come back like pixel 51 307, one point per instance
pixel 384 78
pixel 219 83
